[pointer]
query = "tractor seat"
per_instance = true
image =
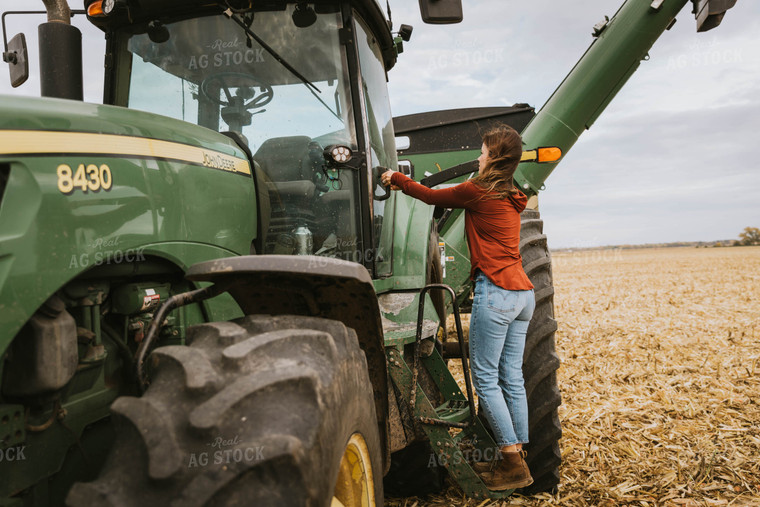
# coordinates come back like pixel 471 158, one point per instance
pixel 285 162
pixel 285 158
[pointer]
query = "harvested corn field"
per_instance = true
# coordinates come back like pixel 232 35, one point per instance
pixel 660 379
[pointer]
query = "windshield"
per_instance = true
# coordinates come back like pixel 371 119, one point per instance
pixel 211 74
pixel 289 109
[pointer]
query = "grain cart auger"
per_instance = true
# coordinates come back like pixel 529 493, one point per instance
pixel 206 297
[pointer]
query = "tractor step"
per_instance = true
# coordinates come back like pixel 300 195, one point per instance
pixel 472 442
pixel 454 411
pixel 456 452
pixel 451 350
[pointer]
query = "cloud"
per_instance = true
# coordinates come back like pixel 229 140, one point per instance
pixel 687 175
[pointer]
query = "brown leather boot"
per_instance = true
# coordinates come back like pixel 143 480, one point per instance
pixel 484 466
pixel 488 466
pixel 511 472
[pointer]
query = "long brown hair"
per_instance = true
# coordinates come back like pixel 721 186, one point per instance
pixel 504 152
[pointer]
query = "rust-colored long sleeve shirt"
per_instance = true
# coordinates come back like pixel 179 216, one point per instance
pixel 492 227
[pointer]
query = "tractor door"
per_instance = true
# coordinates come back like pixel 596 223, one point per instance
pixel 379 139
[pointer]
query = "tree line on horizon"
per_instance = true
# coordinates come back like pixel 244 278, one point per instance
pixel 749 237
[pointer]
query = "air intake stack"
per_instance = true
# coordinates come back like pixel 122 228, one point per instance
pixel 60 53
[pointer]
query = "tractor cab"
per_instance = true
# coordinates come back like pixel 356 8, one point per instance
pixel 301 86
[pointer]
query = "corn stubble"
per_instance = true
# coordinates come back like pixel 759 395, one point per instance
pixel 660 380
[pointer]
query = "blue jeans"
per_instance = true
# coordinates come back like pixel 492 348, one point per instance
pixel 498 326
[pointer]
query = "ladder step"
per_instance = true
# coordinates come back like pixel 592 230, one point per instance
pixel 454 411
pixel 451 350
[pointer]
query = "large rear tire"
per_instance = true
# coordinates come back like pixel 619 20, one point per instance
pixel 262 411
pixel 540 360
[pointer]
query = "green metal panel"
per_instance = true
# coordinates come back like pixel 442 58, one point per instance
pixel 410 248
pixel 426 163
pixel 410 252
pixel 12 430
pixel 404 319
pixel 456 254
pixel 161 201
pixel 32 113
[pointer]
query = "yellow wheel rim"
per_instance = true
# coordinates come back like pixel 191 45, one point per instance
pixel 355 486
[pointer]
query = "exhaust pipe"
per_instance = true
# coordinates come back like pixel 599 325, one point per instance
pixel 60 53
pixel 58 11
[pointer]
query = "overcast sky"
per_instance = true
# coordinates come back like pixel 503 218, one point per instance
pixel 673 158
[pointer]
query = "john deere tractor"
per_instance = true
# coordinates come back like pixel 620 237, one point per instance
pixel 207 297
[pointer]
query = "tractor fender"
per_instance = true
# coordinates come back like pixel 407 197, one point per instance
pixel 311 286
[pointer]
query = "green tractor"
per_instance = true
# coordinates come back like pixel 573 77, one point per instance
pixel 207 297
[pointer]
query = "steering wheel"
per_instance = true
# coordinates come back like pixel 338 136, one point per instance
pixel 243 93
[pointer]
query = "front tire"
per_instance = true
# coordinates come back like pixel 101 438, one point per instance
pixel 261 411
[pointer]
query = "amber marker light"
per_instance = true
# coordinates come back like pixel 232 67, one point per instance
pixel 542 155
pixel 550 154
pixel 95 10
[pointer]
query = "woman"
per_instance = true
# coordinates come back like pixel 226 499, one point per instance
pixel 503 301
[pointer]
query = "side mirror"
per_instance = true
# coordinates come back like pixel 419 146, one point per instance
pixel 17 58
pixel 441 12
pixel 709 13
